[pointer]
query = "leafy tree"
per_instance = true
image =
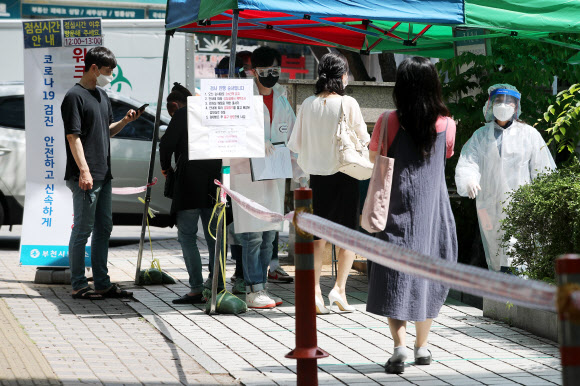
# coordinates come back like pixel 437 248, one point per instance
pixel 563 119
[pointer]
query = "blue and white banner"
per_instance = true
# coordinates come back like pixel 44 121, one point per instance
pixel 53 62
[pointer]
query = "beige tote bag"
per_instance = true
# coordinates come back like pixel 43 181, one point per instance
pixel 353 155
pixel 376 207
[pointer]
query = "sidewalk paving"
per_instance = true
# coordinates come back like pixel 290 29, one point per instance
pixel 50 338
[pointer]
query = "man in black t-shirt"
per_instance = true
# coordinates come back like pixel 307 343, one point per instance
pixel 88 124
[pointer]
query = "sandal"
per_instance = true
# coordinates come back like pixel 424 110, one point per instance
pixel 116 292
pixel 87 293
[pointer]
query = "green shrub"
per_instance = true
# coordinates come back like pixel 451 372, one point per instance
pixel 544 219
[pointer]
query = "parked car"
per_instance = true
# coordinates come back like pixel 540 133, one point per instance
pixel 130 157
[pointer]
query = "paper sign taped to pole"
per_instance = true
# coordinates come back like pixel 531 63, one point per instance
pixel 231 141
pixel 227 102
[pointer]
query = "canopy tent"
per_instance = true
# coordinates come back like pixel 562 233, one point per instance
pixel 405 26
pixel 376 25
pixel 524 15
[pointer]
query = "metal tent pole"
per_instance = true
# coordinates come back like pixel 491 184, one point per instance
pixel 168 35
pixel 225 176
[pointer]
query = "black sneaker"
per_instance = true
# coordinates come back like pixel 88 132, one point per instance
pixel 187 299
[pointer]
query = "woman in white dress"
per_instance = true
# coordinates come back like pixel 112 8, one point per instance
pixel 335 195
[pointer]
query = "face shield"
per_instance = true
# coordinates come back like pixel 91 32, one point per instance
pixel 503 104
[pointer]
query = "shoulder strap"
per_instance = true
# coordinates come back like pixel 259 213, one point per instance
pixel 341 117
pixel 177 162
pixel 446 126
pixel 384 129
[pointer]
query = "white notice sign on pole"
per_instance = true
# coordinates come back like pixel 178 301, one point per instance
pixel 227 102
pixel 227 141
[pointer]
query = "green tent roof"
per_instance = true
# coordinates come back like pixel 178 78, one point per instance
pixel 524 15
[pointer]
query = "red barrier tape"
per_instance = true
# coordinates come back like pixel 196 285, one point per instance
pixel 134 190
pixel 474 280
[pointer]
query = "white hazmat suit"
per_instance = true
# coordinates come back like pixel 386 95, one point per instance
pixel 498 161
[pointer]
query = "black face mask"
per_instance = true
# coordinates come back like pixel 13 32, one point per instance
pixel 268 81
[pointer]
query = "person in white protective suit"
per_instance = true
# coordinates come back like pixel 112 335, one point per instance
pixel 499 157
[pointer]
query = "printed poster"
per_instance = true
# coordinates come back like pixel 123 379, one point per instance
pixel 227 102
pixel 229 135
pixel 54 52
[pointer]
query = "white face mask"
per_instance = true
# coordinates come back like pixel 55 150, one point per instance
pixel 103 80
pixel 503 112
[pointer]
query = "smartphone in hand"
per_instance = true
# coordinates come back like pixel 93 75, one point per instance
pixel 142 108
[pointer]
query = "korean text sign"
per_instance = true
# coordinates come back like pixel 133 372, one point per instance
pixel 53 62
pixel 233 133
pixel 226 121
pixel 227 102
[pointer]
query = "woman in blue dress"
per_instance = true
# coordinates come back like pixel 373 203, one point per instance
pixel 420 136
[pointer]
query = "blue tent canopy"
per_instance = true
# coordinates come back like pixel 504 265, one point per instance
pixel 183 12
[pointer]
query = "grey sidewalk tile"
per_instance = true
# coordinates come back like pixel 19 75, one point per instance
pixel 497 381
pixel 397 382
pixel 467 348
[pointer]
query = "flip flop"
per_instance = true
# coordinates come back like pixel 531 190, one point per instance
pixel 88 294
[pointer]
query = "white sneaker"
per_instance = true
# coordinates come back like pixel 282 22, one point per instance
pixel 259 299
pixel 276 299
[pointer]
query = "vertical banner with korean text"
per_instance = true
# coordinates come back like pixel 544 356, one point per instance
pixel 54 52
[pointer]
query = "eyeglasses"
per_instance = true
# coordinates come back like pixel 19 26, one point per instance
pixel 265 71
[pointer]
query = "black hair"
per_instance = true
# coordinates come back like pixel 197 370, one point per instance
pixel 100 56
pixel 264 56
pixel 178 94
pixel 224 64
pixel 417 97
pixel 331 68
pixel 244 55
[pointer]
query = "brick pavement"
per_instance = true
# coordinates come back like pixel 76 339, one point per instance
pixel 150 341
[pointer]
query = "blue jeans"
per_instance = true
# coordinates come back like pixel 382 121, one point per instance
pixel 275 262
pixel 92 213
pixel 256 256
pixel 187 236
